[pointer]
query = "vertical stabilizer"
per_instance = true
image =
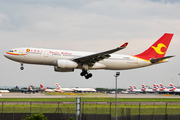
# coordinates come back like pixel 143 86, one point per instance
pixel 158 49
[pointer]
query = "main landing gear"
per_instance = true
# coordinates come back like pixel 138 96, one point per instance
pixel 22 68
pixel 86 74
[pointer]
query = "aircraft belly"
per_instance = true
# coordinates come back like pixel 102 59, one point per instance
pixel 19 58
pixel 123 64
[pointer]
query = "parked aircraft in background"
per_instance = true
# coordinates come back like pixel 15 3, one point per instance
pixel 131 88
pixel 144 89
pixel 46 90
pixel 4 91
pixel 29 90
pixel 67 61
pixel 174 89
pixel 134 89
pixel 84 90
pixel 60 89
pixel 156 87
pixel 163 89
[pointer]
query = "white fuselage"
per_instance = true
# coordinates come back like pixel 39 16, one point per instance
pixel 164 90
pixel 136 90
pixel 50 56
pixel 49 90
pixel 4 91
pixel 64 90
pixel 84 89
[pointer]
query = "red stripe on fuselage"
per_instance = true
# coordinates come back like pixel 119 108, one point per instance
pixel 14 53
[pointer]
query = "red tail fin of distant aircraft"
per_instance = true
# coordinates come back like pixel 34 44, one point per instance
pixel 57 85
pixel 131 88
pixel 135 87
pixel 42 87
pixel 172 85
pixel 157 51
pixel 161 85
pixel 172 88
pixel 155 87
pixel 143 87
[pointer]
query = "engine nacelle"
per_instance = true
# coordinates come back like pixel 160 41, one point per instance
pixel 66 64
pixel 63 69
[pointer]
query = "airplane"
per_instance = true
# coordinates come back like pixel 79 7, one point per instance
pixel 146 90
pixel 163 89
pixel 84 89
pixel 46 90
pixel 4 91
pixel 137 90
pixel 134 89
pixel 67 61
pixel 60 89
pixel 29 90
pixel 174 89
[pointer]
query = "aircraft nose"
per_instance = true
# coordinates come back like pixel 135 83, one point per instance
pixel 6 55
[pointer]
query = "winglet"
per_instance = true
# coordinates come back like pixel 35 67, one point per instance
pixel 124 45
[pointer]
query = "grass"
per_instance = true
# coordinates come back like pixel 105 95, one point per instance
pixel 90 108
pixel 93 109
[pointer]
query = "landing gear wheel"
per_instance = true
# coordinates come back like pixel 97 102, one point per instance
pixel 83 73
pixel 88 76
pixel 22 68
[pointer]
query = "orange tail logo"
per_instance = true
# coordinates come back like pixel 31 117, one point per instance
pixel 158 48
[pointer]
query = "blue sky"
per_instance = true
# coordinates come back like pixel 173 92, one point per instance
pixel 91 25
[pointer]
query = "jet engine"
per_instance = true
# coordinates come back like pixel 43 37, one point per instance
pixel 66 64
pixel 57 69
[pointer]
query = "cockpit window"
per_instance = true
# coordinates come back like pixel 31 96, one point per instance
pixel 10 51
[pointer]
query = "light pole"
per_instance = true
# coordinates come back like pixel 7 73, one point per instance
pixel 177 80
pixel 117 74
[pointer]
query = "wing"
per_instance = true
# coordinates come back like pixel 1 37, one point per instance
pixel 93 58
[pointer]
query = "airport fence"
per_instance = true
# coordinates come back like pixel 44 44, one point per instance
pixel 91 110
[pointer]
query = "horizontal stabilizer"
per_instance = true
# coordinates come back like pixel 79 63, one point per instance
pixel 153 60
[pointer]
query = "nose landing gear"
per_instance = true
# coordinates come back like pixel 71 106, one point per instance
pixel 22 68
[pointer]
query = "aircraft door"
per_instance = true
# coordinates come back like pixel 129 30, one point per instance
pixel 46 53
pixel 135 60
pixel 20 51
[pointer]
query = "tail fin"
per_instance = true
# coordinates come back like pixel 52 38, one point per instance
pixel 155 87
pixel 172 85
pixel 172 88
pixel 135 87
pixel 42 87
pixel 162 86
pixel 131 88
pixel 143 87
pixel 158 49
pixel 57 85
